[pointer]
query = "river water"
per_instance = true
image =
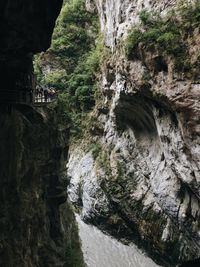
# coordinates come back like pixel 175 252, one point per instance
pixel 101 250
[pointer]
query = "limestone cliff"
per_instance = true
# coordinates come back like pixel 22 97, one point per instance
pixel 136 174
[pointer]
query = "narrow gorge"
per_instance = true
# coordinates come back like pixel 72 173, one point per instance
pixel 119 144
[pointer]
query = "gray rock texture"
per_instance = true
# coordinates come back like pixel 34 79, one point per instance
pixel 118 16
pixel 141 178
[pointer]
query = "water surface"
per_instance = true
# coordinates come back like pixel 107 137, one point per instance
pixel 101 250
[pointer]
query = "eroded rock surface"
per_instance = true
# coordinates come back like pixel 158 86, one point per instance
pixel 141 178
pixel 37 226
pixel 118 16
pixel 37 229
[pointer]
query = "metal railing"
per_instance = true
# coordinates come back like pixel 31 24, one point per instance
pixel 25 97
pixel 44 98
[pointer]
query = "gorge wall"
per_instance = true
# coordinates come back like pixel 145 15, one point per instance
pixel 26 28
pixel 37 228
pixel 136 172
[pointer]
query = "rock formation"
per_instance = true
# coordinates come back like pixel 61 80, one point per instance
pixel 136 174
pixel 36 229
pixel 26 28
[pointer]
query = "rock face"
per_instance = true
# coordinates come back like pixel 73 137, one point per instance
pixel 118 16
pixel 140 179
pixel 32 189
pixel 26 28
pixel 37 228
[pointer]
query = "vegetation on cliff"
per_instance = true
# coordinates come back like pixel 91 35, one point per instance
pixel 71 63
pixel 167 36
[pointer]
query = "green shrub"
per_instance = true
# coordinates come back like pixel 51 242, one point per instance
pixel 150 36
pixel 145 17
pixel 132 41
pixel 82 82
pixel 55 79
pixel 72 61
pixel 190 14
pixel 150 18
pixel 95 148
pixel 166 36
pixel 171 43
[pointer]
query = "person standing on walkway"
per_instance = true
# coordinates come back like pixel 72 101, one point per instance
pixel 45 95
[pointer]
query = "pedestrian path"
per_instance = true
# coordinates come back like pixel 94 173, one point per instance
pixel 25 97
